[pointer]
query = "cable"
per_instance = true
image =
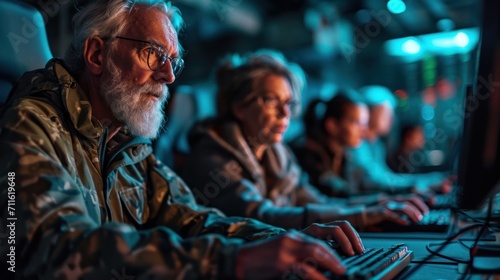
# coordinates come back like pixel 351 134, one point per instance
pixel 474 219
pixel 446 242
pixel 428 247
pixel 487 222
pixel 463 244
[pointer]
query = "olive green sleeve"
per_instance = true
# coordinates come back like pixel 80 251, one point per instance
pixel 57 238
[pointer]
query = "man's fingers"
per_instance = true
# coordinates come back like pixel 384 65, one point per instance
pixel 413 213
pixel 316 254
pixel 419 203
pixel 343 240
pixel 320 231
pixel 332 232
pixel 391 216
pixel 325 258
pixel 352 235
pixel 407 209
pixel 341 232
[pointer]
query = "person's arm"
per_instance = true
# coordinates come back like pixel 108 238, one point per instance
pixel 316 165
pixel 221 183
pixel 373 173
pixel 182 213
pixel 363 210
pixel 55 234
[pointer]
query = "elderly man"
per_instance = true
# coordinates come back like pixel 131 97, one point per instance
pixel 88 197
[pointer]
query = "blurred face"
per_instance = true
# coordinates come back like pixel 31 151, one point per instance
pixel 381 118
pixel 265 118
pixel 350 129
pixel 415 139
pixel 134 93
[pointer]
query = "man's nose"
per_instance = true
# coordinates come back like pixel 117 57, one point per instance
pixel 165 74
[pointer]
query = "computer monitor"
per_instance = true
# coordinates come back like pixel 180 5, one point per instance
pixel 479 161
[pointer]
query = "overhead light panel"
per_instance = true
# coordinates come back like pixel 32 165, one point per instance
pixel 396 6
pixel 411 46
pixel 442 43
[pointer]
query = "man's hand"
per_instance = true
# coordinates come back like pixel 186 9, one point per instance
pixel 414 199
pixel 293 253
pixel 398 212
pixel 340 231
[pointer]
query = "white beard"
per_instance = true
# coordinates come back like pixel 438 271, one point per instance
pixel 133 105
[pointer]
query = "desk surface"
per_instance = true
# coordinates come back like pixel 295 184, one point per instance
pixel 434 267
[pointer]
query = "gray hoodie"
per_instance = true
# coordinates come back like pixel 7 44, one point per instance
pixel 224 173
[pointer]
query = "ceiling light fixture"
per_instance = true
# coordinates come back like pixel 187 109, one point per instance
pixel 396 6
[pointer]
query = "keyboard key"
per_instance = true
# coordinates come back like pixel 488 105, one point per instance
pixel 377 263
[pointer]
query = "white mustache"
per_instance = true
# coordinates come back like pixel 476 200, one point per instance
pixel 159 91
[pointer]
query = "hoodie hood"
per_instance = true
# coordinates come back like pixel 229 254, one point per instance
pixel 212 134
pixel 275 174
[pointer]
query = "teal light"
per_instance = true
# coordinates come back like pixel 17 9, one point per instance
pixel 411 46
pixel 461 39
pixel 445 24
pixel 396 6
pixel 430 130
pixel 427 112
pixel 441 43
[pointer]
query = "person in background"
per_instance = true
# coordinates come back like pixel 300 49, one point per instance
pixel 89 198
pixel 412 140
pixel 239 164
pixel 332 126
pixel 340 125
pixel 368 167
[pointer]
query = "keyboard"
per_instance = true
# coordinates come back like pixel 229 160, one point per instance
pixel 377 263
pixel 443 201
pixel 437 220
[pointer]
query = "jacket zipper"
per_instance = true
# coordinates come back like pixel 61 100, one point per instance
pixel 102 158
pixel 105 162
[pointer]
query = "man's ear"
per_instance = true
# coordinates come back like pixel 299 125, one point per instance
pixel 93 54
pixel 331 126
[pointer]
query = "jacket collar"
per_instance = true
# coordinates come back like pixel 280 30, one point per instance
pixel 75 101
pixel 275 159
pixel 77 104
pixel 231 138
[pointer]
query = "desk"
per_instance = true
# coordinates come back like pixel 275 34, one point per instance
pixel 435 267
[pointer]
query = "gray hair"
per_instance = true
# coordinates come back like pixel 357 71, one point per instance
pixel 239 76
pixel 107 18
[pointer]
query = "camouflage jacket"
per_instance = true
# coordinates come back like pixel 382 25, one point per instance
pixel 83 208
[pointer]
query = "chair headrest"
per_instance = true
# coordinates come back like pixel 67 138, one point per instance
pixel 24 45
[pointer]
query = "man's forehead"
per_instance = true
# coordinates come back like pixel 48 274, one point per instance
pixel 151 24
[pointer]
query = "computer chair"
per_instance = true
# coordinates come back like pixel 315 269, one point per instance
pixel 189 105
pixel 24 45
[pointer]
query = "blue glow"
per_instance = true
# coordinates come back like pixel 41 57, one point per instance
pixel 411 46
pixel 430 130
pixel 442 43
pixel 396 6
pixel 445 24
pixel 427 112
pixel 461 39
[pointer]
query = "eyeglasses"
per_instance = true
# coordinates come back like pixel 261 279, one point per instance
pixel 156 56
pixel 273 103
